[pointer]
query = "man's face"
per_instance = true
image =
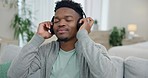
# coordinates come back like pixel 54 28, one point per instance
pixel 65 24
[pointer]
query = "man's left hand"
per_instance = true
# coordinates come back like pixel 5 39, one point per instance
pixel 86 23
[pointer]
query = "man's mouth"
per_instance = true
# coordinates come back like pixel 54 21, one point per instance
pixel 61 31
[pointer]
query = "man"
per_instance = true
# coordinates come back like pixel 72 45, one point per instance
pixel 73 55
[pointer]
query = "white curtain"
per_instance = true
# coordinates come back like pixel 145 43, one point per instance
pixel 98 10
pixel 43 10
pixel 40 10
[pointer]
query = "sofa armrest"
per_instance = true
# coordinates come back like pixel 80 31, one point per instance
pixel 136 67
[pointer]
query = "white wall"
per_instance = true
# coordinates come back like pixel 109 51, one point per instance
pixel 121 13
pixel 124 12
pixel 6 14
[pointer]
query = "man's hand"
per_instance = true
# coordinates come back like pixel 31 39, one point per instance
pixel 86 23
pixel 43 29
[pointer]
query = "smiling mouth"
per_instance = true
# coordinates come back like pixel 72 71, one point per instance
pixel 61 31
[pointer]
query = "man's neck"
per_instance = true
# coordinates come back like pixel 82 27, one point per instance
pixel 69 45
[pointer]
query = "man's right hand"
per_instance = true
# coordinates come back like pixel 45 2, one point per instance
pixel 43 29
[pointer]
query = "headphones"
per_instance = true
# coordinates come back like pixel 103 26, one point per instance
pixel 78 24
pixel 51 29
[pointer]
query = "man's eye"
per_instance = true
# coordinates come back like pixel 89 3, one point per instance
pixel 68 20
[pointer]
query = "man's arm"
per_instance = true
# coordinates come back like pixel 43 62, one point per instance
pixel 96 55
pixel 28 60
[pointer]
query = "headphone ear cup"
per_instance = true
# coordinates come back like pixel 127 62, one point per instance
pixel 79 24
pixel 51 29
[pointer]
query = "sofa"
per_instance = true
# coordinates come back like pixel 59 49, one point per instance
pixel 129 67
pixel 131 61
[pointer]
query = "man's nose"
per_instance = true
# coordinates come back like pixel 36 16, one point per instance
pixel 62 22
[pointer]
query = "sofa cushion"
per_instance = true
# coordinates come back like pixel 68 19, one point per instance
pixel 3 69
pixel 118 63
pixel 136 67
pixel 8 53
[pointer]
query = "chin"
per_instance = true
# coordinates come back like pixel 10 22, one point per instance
pixel 63 39
pixel 62 36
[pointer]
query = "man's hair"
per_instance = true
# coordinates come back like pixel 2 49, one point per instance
pixel 70 4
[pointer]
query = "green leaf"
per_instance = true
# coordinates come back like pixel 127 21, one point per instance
pixel 116 36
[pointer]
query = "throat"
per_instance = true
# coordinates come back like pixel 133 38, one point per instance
pixel 67 46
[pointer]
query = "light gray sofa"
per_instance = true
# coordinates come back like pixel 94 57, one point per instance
pixel 130 67
pixel 131 60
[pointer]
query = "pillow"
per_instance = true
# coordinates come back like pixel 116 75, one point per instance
pixel 3 69
pixel 136 67
pixel 118 63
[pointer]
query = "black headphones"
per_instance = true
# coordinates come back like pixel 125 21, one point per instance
pixel 78 24
pixel 51 29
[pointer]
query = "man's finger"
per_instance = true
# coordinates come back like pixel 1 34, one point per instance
pixel 91 21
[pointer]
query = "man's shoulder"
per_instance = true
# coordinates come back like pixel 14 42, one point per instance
pixel 48 47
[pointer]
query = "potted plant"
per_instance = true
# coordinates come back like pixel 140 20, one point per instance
pixel 22 27
pixel 116 36
pixel 22 24
pixel 95 26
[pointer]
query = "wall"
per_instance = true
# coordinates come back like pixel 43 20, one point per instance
pixel 6 14
pixel 124 12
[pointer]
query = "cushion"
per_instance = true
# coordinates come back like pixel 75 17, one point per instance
pixel 118 63
pixel 136 67
pixel 8 53
pixel 3 69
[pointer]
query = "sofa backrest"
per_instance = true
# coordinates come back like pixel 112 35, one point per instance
pixel 138 50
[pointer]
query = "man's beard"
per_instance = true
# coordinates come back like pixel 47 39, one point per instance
pixel 63 39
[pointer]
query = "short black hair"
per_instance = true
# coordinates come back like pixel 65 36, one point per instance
pixel 70 4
